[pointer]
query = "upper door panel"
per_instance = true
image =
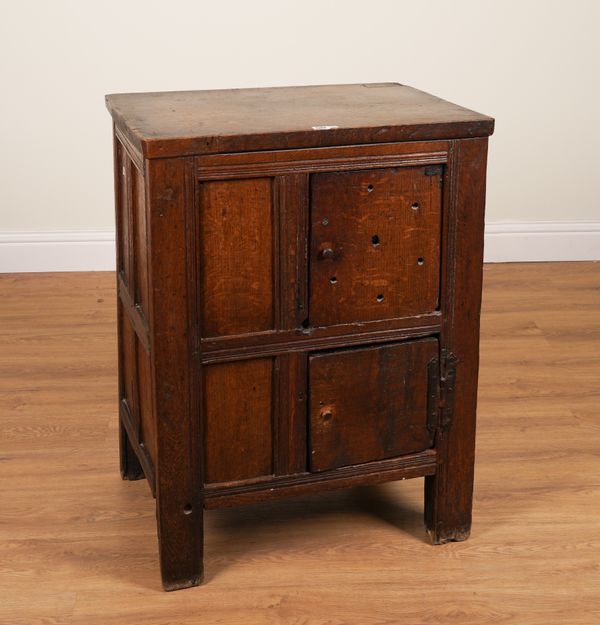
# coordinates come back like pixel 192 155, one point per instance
pixel 375 244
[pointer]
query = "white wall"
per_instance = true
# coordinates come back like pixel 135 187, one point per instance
pixel 533 65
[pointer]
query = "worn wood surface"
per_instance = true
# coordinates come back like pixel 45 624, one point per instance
pixel 449 494
pixel 78 545
pixel 238 420
pixel 375 244
pixel 237 254
pixel 174 375
pixel 369 403
pixel 244 289
pixel 180 123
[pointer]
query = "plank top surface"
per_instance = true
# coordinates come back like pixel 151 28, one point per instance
pixel 181 123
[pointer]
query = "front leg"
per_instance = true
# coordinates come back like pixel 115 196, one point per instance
pixel 449 493
pixel 176 373
pixel 180 541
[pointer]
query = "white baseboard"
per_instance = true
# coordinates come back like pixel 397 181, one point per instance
pixel 529 241
pixel 510 241
pixel 87 250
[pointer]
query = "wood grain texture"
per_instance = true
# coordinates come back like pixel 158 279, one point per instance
pixel 290 417
pixel 375 245
pixel 78 546
pixel 238 417
pixel 178 470
pixel 327 158
pixel 140 240
pixel 183 123
pixel 228 266
pixel 135 386
pixel 293 274
pixel 369 403
pixel 449 494
pixel 222 264
pixel 237 256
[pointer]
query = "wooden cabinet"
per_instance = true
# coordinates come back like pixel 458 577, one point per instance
pixel 299 281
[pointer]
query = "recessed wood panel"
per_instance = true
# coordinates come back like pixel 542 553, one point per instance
pixel 123 214
pixel 128 371
pixel 369 404
pixel 146 408
pixel 238 420
pixel 237 256
pixel 140 239
pixel 375 244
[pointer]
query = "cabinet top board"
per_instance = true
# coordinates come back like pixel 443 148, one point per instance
pixel 184 123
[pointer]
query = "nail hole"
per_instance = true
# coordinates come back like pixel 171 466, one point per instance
pixel 380 298
pixel 415 206
pixel 333 279
pixel 420 260
pixel 375 240
pixel 187 509
pixel 305 323
pixel 370 188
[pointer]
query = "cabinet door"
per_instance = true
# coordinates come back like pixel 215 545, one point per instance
pixel 369 403
pixel 375 244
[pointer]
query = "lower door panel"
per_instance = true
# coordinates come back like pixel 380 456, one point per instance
pixel 369 403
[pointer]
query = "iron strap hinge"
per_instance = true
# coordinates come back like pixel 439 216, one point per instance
pixel 441 374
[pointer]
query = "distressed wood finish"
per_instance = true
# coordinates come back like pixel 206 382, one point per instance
pixel 297 306
pixel 238 418
pixel 375 244
pixel 369 404
pixel 179 470
pixel 237 256
pixel 183 123
pixel 449 494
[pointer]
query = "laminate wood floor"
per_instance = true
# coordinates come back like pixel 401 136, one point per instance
pixel 78 545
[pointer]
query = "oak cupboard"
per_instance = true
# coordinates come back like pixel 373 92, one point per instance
pixel 299 284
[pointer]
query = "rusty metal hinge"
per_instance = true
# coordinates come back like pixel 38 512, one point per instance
pixel 447 383
pixel 441 376
pixel 433 394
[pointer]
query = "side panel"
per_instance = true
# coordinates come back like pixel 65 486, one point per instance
pixel 135 381
pixel 124 233
pixel 129 372
pixel 140 240
pixel 147 426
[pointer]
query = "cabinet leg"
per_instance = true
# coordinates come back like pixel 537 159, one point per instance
pixel 131 468
pixel 181 546
pixel 449 498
